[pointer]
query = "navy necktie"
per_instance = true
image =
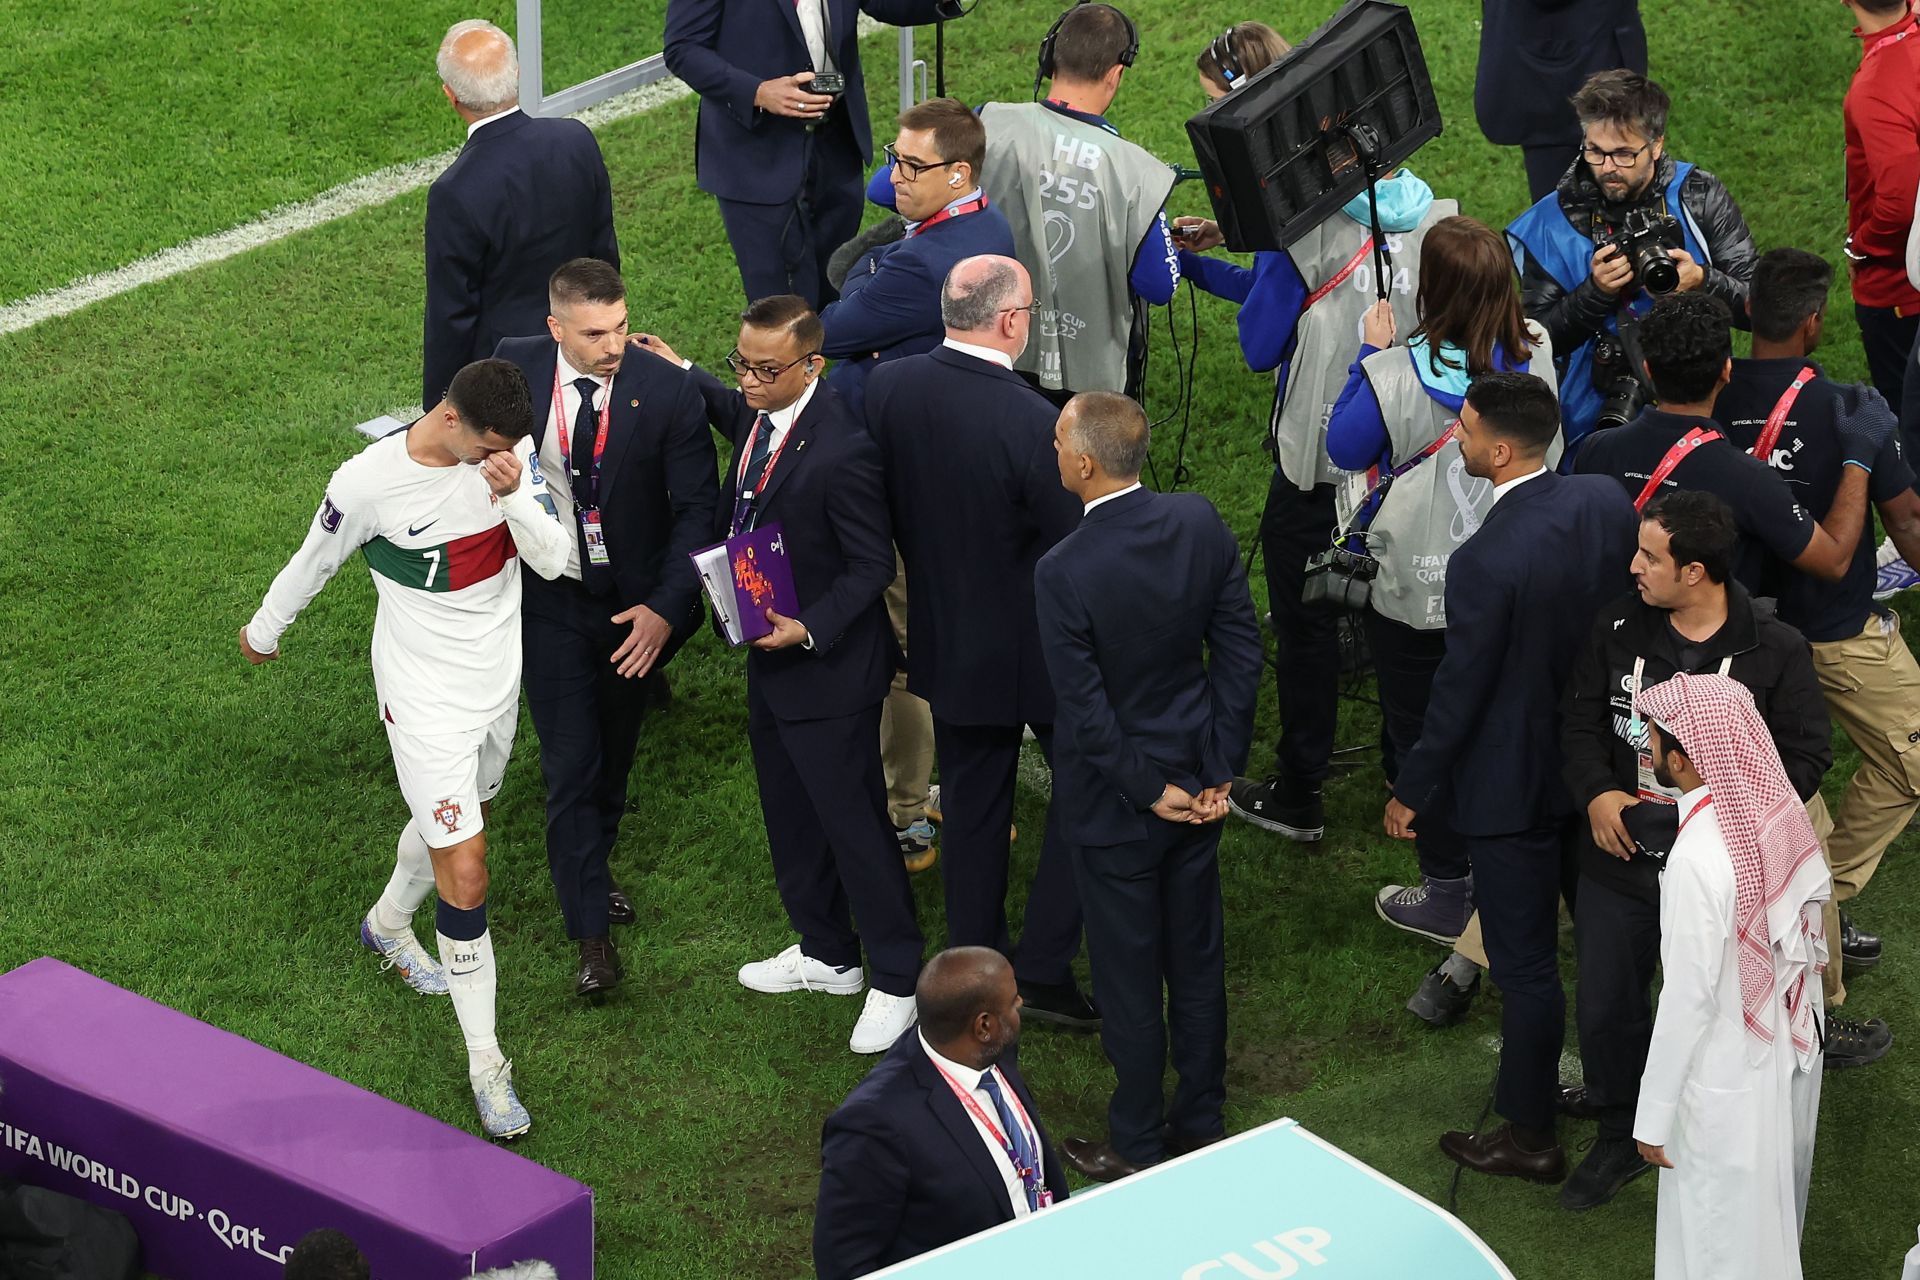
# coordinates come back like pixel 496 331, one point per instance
pixel 1022 1149
pixel 586 424
pixel 745 506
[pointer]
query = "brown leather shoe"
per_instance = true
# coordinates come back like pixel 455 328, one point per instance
pixel 1497 1153
pixel 1097 1160
pixel 620 908
pixel 1180 1144
pixel 599 968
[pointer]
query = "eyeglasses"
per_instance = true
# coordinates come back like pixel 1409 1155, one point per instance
pixel 1032 309
pixel 911 169
pixel 762 372
pixel 1619 159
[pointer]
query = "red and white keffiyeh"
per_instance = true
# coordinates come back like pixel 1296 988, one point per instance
pixel 1780 877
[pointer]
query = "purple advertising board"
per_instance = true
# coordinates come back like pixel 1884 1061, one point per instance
pixel 223 1153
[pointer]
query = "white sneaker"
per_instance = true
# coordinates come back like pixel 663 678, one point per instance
pixel 884 1020
pixel 795 970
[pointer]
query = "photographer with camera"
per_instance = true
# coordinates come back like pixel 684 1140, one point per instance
pixel 1627 223
pixel 1299 311
pixel 1413 503
pixel 1676 444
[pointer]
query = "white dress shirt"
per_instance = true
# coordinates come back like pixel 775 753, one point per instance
pixel 951 205
pixel 1109 497
pixel 484 121
pixel 779 420
pixel 813 25
pixel 1500 490
pixel 553 460
pixel 1016 1190
pixel 994 354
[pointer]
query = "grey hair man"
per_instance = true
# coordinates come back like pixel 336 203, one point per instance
pixel 489 251
pixel 987 301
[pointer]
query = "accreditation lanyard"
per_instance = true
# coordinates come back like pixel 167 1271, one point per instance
pixel 1651 788
pixel 588 502
pixel 746 502
pixel 1038 1197
pixel 1770 434
pixel 1340 276
pixel 1704 802
pixel 1681 448
pixel 951 211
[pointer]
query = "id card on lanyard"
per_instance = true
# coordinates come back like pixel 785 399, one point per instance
pixel 746 501
pixel 586 505
pixel 1033 1180
pixel 1650 787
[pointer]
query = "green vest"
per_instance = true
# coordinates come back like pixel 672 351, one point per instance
pixel 1080 200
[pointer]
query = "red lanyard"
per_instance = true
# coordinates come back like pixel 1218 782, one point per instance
pixel 1770 434
pixel 1681 448
pixel 952 211
pixel 746 499
pixel 1695 811
pixel 1028 1177
pixel 1340 276
pixel 599 438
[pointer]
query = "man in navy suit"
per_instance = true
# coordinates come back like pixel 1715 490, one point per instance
pixel 787 164
pixel 976 498
pixel 890 301
pixel 942 1140
pixel 1521 597
pixel 523 196
pixel 624 447
pixel 1155 653
pixel 816 682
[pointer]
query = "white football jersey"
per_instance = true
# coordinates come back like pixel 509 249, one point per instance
pixel 443 551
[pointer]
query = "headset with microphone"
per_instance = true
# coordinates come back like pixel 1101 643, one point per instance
pixel 1045 68
pixel 1221 51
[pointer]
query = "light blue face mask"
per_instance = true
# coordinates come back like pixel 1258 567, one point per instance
pixel 1404 201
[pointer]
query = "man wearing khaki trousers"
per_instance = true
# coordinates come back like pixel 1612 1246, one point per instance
pixel 906 746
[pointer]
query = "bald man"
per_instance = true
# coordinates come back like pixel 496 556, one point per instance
pixel 523 196
pixel 941 1140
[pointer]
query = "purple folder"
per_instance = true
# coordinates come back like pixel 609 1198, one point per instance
pixel 745 575
pixel 223 1154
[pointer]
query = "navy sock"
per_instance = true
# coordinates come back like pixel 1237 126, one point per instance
pixel 460 925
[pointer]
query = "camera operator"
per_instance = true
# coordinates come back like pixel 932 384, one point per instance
pixel 1687 613
pixel 1395 426
pixel 1299 312
pixel 1675 444
pixel 1628 222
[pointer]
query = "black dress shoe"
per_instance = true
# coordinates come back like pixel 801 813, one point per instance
pixel 1097 1160
pixel 1609 1166
pixel 1180 1144
pixel 1496 1152
pixel 620 908
pixel 1860 949
pixel 1575 1103
pixel 1439 1001
pixel 1060 1004
pixel 599 968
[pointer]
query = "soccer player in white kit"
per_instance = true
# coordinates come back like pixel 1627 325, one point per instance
pixel 442 511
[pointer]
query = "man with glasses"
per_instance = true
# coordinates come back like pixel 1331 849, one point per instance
pixel 890 300
pixel 815 683
pixel 1584 289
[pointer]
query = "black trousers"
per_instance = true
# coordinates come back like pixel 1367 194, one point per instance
pixel 1154 938
pixel 835 859
pixel 588 718
pixel 1518 882
pixel 1909 402
pixel 1404 660
pixel 784 247
pixel 1888 340
pixel 1546 165
pixel 1617 938
pixel 978 764
pixel 1295 526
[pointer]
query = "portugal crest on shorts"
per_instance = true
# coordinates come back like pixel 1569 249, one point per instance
pixel 448 814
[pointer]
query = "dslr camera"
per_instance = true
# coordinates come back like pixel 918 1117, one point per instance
pixel 1644 238
pixel 1339 579
pixel 1621 395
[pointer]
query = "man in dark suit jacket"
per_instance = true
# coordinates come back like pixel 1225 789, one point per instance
pixel 976 498
pixel 890 301
pixel 941 1140
pixel 624 448
pixel 1155 654
pixel 786 164
pixel 523 196
pixel 816 682
pixel 1522 594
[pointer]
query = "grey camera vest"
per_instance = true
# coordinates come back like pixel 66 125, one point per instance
pixel 1327 336
pixel 1080 200
pixel 1432 509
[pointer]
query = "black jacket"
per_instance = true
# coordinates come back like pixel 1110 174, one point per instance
pixel 1769 657
pixel 1573 317
pixel 1535 53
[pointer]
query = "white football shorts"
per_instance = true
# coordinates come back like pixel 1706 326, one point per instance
pixel 445 777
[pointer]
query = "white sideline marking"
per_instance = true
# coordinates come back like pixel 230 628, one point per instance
pixel 375 188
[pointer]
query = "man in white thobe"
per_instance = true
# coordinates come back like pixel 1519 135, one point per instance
pixel 1731 1091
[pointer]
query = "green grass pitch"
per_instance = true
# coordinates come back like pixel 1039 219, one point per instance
pixel 208 834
